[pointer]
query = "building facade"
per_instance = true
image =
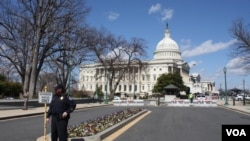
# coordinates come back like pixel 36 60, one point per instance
pixel 167 59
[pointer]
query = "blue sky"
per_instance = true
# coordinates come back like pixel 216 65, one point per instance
pixel 200 28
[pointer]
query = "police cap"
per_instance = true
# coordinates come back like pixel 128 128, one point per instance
pixel 59 86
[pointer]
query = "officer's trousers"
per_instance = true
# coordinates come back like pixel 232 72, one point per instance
pixel 59 129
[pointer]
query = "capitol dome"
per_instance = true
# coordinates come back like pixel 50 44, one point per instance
pixel 167 48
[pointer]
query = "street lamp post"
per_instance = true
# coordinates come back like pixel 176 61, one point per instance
pixel 220 96
pixel 225 73
pixel 244 98
pixel 134 83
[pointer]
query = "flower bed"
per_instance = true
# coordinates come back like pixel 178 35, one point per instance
pixel 92 127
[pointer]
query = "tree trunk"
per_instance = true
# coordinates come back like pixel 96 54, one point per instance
pixel 35 52
pixel 27 80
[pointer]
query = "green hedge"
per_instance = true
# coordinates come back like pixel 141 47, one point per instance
pixel 10 89
pixel 183 96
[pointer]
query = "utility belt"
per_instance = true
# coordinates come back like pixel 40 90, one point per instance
pixel 59 117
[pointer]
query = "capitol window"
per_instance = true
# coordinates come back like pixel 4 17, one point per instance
pixel 120 87
pixel 148 77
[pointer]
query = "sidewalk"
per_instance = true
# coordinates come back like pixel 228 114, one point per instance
pixel 16 113
pixel 237 107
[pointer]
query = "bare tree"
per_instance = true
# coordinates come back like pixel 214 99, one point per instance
pixel 8 70
pixel 241 33
pixel 73 54
pixel 116 55
pixel 31 31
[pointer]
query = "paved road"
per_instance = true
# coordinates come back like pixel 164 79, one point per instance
pixel 183 124
pixel 164 123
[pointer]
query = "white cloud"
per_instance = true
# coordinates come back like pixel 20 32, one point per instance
pixel 207 47
pixel 154 8
pixel 113 15
pixel 167 14
pixel 237 66
pixel 235 63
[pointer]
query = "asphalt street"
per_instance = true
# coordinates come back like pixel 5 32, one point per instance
pixel 183 124
pixel 163 123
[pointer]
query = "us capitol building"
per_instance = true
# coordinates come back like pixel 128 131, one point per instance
pixel 167 59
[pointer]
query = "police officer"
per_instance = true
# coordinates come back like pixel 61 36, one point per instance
pixel 59 109
pixel 191 97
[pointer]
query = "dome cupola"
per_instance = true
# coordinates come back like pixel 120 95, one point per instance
pixel 167 48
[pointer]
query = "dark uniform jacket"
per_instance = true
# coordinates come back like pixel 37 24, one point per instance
pixel 60 104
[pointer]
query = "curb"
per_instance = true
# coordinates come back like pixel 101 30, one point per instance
pixel 19 116
pixel 40 113
pixel 233 109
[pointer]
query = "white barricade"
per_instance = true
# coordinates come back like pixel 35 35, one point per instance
pixel 186 102
pixel 177 102
pixel 205 103
pixel 136 102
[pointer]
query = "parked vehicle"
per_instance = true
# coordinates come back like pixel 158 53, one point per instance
pixel 117 98
pixel 238 97
pixel 200 97
pixel 9 98
pixel 247 97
